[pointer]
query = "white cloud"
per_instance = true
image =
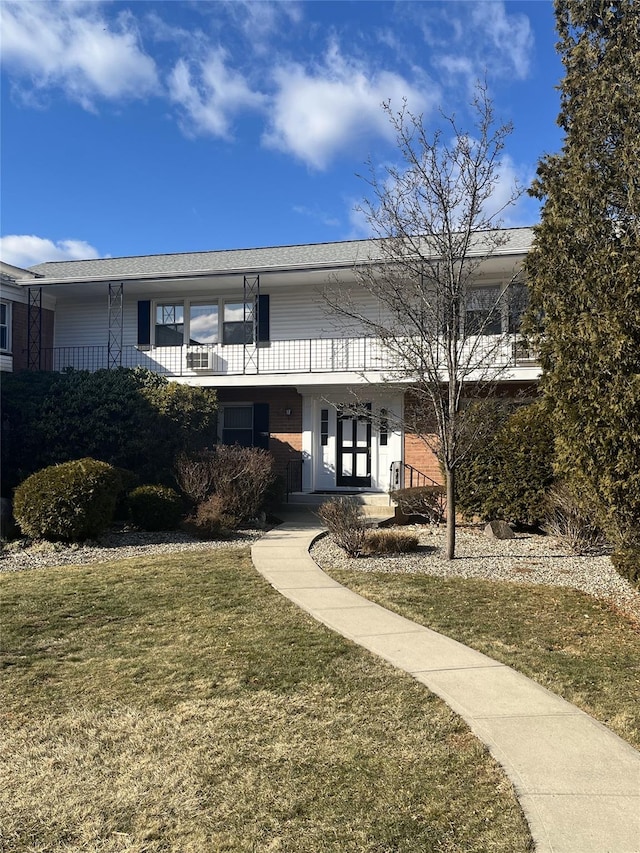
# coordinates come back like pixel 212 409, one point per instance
pixel 260 21
pixel 487 39
pixel 25 250
pixel 317 113
pixel 510 35
pixel 73 47
pixel 209 94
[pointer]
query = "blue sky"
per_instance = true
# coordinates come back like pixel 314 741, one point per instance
pixel 148 127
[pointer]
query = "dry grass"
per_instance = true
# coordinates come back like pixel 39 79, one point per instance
pixel 390 542
pixel 179 704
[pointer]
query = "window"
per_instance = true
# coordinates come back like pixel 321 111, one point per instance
pixel 169 325
pixel 384 428
pixel 518 301
pixel 324 427
pixel 237 325
pixel 5 326
pixel 483 312
pixel 203 324
pixel 237 425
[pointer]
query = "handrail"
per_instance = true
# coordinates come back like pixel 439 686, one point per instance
pixel 421 478
pixel 416 477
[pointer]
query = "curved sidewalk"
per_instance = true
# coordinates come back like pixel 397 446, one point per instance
pixel 577 782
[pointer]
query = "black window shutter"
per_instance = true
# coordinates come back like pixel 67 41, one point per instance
pixel 263 317
pixel 261 425
pixel 144 323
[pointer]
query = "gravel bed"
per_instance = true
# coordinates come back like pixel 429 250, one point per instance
pixel 17 556
pixel 528 559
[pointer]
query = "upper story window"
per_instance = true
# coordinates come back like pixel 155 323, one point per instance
pixel 494 311
pixel 203 324
pixel 200 322
pixel 518 302
pixel 169 325
pixel 5 326
pixel 237 324
pixel 483 311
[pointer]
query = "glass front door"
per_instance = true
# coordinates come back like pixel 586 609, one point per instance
pixel 353 445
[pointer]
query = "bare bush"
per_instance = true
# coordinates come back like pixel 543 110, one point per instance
pixel 210 521
pixel 570 521
pixel 194 474
pixel 380 542
pixel 346 523
pixel 426 501
pixel 241 478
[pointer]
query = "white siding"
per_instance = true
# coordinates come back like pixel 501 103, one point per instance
pixel 305 315
pixel 81 324
pixel 293 315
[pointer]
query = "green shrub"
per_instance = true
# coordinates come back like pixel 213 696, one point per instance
pixel 379 542
pixel 133 419
pixel 346 523
pixel 69 502
pixel 426 501
pixel 627 564
pixel 155 507
pixel 507 475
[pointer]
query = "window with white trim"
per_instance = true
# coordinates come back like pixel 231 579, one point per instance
pixel 5 326
pixel 203 323
pixel 483 311
pixel 237 323
pixel 169 327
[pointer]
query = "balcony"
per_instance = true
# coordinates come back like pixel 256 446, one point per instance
pixel 309 355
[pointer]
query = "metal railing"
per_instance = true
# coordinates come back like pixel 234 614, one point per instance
pixel 433 506
pixel 307 355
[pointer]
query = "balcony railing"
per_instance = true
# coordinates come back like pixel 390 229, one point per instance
pixel 310 355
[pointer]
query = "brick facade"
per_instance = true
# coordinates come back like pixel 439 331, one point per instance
pixel 20 335
pixel 285 441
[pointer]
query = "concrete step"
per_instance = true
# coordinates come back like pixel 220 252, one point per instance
pixel 366 499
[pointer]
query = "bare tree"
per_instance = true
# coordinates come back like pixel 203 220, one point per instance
pixel 435 220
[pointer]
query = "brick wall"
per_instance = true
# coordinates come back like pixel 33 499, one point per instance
pixel 418 454
pixel 285 442
pixel 20 334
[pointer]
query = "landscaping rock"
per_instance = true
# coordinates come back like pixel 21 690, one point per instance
pixel 499 530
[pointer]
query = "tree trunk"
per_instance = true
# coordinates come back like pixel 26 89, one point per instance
pixel 450 476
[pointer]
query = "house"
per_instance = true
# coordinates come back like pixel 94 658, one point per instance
pixel 253 324
pixel 24 328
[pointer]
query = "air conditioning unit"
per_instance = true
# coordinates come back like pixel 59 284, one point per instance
pixel 198 360
pixel 522 354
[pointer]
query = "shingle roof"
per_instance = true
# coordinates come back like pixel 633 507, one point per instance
pixel 311 255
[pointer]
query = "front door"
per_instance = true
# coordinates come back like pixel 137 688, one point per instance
pixel 353 444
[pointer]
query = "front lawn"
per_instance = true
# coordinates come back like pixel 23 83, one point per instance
pixel 178 703
pixel 572 643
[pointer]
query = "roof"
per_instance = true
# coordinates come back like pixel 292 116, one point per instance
pixel 310 255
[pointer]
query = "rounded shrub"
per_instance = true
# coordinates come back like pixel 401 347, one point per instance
pixel 155 507
pixel 71 502
pixel 508 475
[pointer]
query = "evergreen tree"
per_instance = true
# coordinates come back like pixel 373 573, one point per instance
pixel 584 270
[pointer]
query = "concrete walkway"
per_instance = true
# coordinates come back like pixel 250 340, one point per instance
pixel 577 782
